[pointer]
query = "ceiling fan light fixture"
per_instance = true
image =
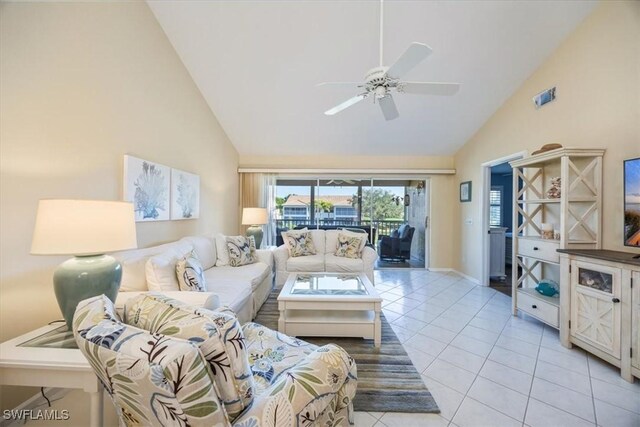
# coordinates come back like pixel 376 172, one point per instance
pixel 381 91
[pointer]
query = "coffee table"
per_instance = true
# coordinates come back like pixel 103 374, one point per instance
pixel 329 305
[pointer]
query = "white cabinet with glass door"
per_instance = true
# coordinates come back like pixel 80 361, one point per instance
pixel 595 306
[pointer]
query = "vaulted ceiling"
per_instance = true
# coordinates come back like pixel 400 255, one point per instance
pixel 257 65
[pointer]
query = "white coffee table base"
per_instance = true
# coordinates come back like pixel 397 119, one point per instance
pixel 331 323
pixel 335 316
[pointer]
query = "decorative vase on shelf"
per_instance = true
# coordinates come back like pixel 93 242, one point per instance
pixel 556 188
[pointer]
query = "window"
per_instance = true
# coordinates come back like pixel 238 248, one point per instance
pixel 495 207
pixel 345 211
pixel 295 211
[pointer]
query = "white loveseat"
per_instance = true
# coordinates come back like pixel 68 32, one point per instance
pixel 244 289
pixel 326 243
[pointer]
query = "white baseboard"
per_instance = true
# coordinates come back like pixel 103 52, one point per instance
pixel 35 402
pixel 452 270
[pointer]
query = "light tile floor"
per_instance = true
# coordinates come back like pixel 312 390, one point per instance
pixel 483 366
pixel 486 367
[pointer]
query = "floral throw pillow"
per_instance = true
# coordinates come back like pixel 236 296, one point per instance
pixel 190 273
pixel 299 244
pixel 349 246
pixel 242 250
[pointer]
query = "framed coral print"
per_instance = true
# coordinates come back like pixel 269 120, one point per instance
pixel 147 185
pixel 185 195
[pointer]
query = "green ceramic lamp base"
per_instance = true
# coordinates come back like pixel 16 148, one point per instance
pixel 256 232
pixel 84 277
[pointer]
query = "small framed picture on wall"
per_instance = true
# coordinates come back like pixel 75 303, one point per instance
pixel 465 191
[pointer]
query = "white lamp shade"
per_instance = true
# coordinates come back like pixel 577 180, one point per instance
pixel 254 216
pixel 83 227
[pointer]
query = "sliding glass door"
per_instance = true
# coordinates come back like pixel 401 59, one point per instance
pixel 381 207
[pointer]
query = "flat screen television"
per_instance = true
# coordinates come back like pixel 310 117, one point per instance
pixel 632 202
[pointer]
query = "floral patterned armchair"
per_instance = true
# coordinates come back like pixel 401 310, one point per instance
pixel 168 363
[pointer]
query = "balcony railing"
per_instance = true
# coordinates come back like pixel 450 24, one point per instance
pixel 381 227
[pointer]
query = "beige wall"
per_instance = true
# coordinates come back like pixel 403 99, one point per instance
pixel 597 74
pixel 81 85
pixel 443 191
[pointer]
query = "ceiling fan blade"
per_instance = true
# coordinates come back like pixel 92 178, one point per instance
pixel 339 84
pixel 388 107
pixel 429 88
pixel 411 57
pixel 348 103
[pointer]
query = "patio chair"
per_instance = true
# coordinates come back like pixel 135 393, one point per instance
pixel 397 246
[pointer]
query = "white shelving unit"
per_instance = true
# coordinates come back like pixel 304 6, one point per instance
pixel 577 214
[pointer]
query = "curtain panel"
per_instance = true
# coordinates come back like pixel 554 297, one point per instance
pixel 258 190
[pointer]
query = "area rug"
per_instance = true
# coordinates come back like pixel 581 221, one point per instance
pixel 387 380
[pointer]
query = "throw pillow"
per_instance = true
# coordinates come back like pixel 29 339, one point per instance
pixel 190 273
pixel 362 235
pixel 242 250
pixel 299 243
pixel 348 246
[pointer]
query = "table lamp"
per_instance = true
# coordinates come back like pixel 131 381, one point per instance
pixel 255 218
pixel 86 229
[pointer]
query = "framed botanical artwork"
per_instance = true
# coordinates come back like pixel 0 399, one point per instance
pixel 147 185
pixel 465 191
pixel 185 195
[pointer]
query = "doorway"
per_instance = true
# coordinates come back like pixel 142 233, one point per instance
pixel 498 222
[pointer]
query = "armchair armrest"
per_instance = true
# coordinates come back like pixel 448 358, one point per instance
pixel 369 256
pixel 302 394
pixel 280 256
pixel 208 300
pixel 266 256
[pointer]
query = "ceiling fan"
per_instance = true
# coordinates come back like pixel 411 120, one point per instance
pixel 380 82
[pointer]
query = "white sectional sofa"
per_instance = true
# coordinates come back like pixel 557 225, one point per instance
pixel 244 289
pixel 324 260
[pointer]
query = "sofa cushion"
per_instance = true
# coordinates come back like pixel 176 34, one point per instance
pixel 403 231
pixel 306 263
pixel 160 270
pixel 205 249
pixel 133 273
pixel 234 293
pixel 319 237
pixel 336 264
pixel 252 273
pixel 221 250
pixel 133 266
pixel 331 241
